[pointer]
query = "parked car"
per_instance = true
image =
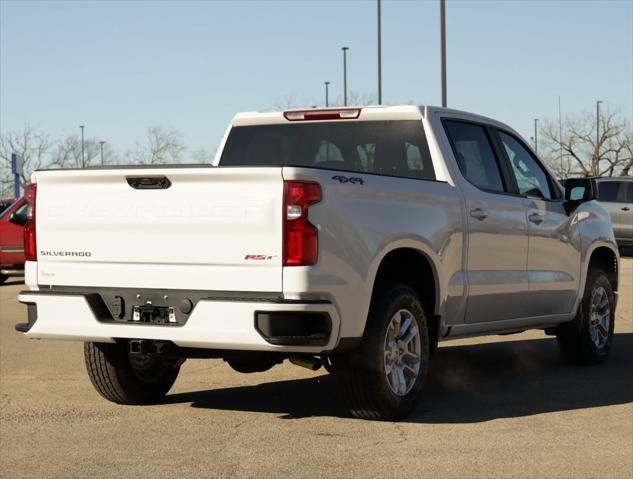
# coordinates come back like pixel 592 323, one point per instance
pixel 12 222
pixel 5 203
pixel 356 238
pixel 616 196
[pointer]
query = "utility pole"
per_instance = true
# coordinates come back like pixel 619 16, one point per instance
pixel 443 52
pixel 379 57
pixel 101 145
pixel 345 75
pixel 597 136
pixel 83 158
pixel 536 135
pixel 327 94
pixel 560 136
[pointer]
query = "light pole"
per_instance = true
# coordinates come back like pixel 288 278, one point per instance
pixel 345 75
pixel 83 160
pixel 327 94
pixel 536 135
pixel 443 50
pixel 560 136
pixel 598 133
pixel 379 58
pixel 101 145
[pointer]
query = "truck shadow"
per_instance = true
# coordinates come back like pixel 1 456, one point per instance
pixel 469 384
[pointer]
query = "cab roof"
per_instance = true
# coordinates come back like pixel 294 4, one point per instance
pixel 352 113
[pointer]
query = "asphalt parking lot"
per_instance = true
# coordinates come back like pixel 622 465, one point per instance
pixel 495 407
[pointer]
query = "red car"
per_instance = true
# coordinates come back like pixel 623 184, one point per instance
pixel 11 240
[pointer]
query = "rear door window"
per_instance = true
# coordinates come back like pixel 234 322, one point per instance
pixel 609 191
pixel 392 148
pixel 474 154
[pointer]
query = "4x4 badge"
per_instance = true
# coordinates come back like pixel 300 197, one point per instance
pixel 355 180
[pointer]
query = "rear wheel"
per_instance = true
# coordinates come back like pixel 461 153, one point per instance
pixel 587 339
pixel 3 278
pixel 384 378
pixel 126 378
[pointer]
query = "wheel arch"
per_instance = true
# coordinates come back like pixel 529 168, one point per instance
pixel 412 265
pixel 599 254
pixel 607 259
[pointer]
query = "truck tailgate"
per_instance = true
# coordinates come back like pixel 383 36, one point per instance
pixel 216 229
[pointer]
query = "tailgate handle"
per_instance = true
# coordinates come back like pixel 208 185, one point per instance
pixel 148 182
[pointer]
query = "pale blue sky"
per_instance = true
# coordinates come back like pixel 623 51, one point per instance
pixel 119 67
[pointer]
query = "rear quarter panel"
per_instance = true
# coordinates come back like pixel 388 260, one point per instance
pixel 361 223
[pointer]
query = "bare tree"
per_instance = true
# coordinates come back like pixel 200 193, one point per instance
pixel 287 102
pixel 164 145
pixel 31 146
pixel 6 183
pixel 202 155
pixel 355 98
pixel 67 153
pixel 582 153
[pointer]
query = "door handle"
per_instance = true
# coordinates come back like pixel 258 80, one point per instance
pixel 626 208
pixel 536 218
pixel 479 213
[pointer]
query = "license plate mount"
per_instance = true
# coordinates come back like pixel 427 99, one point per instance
pixel 148 313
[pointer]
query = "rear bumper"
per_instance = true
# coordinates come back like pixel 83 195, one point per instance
pixel 213 324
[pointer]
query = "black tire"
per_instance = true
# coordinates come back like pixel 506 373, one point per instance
pixel 370 393
pixel 3 278
pixel 125 380
pixel 575 339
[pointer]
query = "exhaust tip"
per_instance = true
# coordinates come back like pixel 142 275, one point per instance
pixel 306 361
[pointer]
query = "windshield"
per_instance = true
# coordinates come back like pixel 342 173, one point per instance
pixel 5 207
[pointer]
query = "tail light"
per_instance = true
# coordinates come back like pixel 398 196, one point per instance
pixel 301 238
pixel 30 243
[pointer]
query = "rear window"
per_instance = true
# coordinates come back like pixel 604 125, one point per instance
pixel 392 148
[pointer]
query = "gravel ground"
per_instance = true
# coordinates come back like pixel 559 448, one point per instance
pixel 494 407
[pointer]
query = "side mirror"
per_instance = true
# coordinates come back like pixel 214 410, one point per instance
pixel 19 220
pixel 579 190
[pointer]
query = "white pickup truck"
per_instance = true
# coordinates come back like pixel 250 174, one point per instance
pixel 353 238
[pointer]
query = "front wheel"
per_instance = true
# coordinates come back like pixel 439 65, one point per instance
pixel 124 378
pixel 384 378
pixel 587 339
